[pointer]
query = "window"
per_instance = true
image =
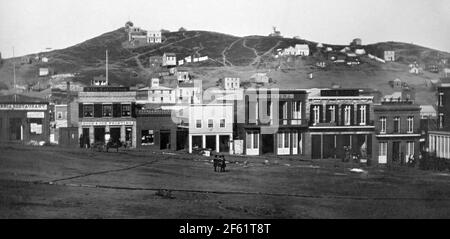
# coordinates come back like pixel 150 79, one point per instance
pixel 210 123
pixel 286 140
pixel 285 113
pixel 410 124
pixel 396 124
pixel 35 126
pixel 362 109
pixel 257 111
pixel 126 110
pixel 383 125
pixel 162 99
pixel 198 124
pixel 222 123
pixel 383 149
pixel 147 137
pixel 332 110
pixel 316 112
pixel 280 140
pixel 441 99
pixel 60 116
pixel 347 115
pixel 107 110
pixel 441 120
pixel 88 110
pixel 252 140
pixel 296 112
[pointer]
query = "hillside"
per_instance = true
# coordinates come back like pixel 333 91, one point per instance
pixel 228 55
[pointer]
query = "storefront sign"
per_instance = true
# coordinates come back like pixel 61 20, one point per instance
pixel 105 123
pixel 23 106
pixel 39 115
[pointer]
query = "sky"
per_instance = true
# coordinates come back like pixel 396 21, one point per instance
pixel 31 26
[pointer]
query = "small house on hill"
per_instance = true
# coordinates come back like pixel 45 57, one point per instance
pixel 389 55
pixel 169 59
pixel 260 78
pixel 301 50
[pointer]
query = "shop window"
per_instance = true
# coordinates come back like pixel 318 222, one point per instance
pixel 35 126
pixel 147 137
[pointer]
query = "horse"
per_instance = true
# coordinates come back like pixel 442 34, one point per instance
pixel 114 144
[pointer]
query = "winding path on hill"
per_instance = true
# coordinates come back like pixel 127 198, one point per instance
pixel 224 52
pixel 138 61
pixel 257 57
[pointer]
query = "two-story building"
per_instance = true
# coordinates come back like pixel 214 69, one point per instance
pixel 231 83
pixel 272 121
pixel 154 36
pixel 439 139
pixel 340 120
pixel 157 93
pixel 107 113
pixel 210 126
pixel 397 131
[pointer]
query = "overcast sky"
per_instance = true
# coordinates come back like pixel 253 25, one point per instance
pixel 33 25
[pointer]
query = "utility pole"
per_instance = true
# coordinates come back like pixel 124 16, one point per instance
pixel 107 81
pixel 14 75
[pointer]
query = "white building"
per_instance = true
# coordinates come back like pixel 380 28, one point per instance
pixel 301 50
pixel 190 93
pixel 154 37
pixel 156 94
pixel 43 72
pixel 211 126
pixel 230 83
pixel 169 59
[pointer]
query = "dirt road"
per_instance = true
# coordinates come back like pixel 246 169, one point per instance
pixel 53 182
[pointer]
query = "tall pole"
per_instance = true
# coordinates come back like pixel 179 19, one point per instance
pixel 14 75
pixel 107 82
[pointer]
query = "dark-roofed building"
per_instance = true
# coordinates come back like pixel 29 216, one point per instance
pixel 24 118
pixel 397 131
pixel 340 123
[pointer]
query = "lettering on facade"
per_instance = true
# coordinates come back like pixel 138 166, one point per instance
pixel 107 123
pixel 23 107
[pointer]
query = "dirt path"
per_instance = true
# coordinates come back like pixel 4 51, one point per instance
pixel 224 52
pixel 257 57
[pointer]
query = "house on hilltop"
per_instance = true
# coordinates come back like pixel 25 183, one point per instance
pixel 154 37
pixel 389 55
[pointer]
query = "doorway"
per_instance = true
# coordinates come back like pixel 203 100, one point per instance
pixel 224 143
pixel 99 134
pixel 211 142
pixel 15 129
pixel 164 140
pixel 395 151
pixel 267 144
pixel 115 134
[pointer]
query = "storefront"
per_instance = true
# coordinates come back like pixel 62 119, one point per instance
pixel 24 121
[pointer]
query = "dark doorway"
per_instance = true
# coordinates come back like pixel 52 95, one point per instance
pixel 395 151
pixel 164 140
pixel 211 142
pixel 329 150
pixel 129 135
pixel 267 144
pixel 99 134
pixel 181 139
pixel 316 146
pixel 15 125
pixel 115 134
pixel 197 142
pixel 86 141
pixel 224 145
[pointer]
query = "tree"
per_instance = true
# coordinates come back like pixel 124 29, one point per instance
pixel 182 29
pixel 128 24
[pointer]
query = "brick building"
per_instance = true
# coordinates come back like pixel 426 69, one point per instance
pixel 107 113
pixel 339 119
pixel 397 131
pixel 272 121
pixel 157 129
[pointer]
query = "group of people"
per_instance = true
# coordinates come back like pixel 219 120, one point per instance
pixel 219 163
